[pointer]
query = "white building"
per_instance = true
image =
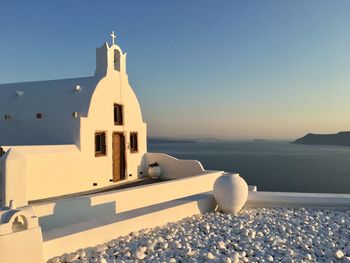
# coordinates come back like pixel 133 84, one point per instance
pixel 71 135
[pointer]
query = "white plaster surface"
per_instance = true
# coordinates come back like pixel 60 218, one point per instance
pixel 72 237
pixel 58 150
pixel 20 237
pixel 173 168
pixel 71 222
pixel 54 98
pixel 285 199
pixel 62 212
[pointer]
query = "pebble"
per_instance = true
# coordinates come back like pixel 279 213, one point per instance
pixel 308 257
pixel 100 248
pixel 339 254
pixel 221 245
pixel 55 260
pixel 71 257
pixel 347 249
pixel 127 254
pixel 140 253
pixel 226 260
pixel 252 235
pixel 269 258
pixel 82 253
pixel 235 258
pixel 210 256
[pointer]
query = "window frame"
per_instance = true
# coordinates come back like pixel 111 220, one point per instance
pixel 121 115
pixel 103 147
pixel 132 150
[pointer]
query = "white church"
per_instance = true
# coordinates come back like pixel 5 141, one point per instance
pixel 66 136
pixel 73 162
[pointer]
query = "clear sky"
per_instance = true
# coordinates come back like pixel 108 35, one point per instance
pixel 226 69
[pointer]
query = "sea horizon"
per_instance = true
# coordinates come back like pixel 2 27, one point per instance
pixel 271 166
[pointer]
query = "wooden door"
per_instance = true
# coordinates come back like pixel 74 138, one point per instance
pixel 118 156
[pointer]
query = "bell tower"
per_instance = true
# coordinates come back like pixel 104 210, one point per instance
pixel 110 58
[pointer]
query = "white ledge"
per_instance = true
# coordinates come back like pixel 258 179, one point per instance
pixel 285 199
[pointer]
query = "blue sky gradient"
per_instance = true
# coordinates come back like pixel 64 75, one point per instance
pixel 227 69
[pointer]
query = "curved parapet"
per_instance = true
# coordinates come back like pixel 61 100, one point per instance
pixel 173 168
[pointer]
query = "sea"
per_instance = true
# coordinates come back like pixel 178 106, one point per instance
pixel 271 166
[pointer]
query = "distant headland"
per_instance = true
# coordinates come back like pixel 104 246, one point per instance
pixel 169 140
pixel 340 138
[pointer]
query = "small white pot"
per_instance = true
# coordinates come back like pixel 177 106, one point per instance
pixel 154 172
pixel 230 192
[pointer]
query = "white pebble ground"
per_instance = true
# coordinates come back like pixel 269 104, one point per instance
pixel 254 235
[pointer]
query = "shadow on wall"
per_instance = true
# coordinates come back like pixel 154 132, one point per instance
pixel 142 168
pixel 201 203
pixel 75 211
pixel 206 202
pixel 62 218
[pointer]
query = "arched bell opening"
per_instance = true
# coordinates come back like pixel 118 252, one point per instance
pixel 116 60
pixel 19 224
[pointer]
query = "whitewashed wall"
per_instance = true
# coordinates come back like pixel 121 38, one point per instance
pixel 44 171
pixel 173 168
pixel 45 131
pixel 101 118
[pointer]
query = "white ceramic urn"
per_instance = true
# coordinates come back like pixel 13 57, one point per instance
pixel 154 172
pixel 230 192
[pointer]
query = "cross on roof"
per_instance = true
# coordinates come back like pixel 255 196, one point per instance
pixel 113 37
